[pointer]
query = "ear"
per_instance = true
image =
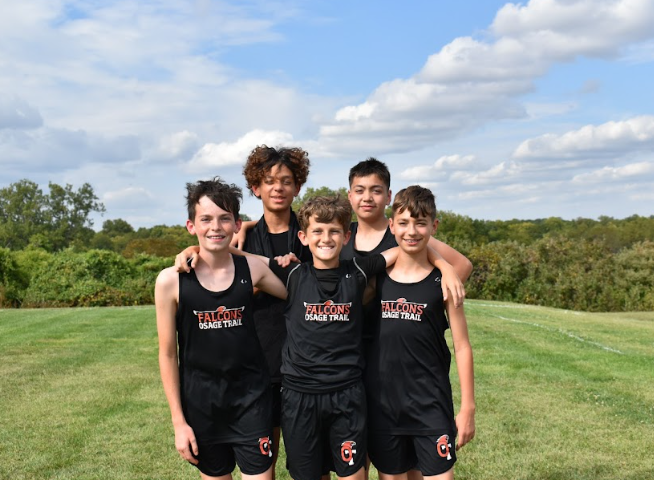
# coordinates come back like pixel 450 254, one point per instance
pixel 435 227
pixel 388 200
pixel 347 236
pixel 190 227
pixel 391 225
pixel 297 190
pixel 303 238
pixel 239 224
pixel 256 191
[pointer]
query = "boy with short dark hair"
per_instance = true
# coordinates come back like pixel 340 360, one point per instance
pixel 217 387
pixel 369 194
pixel 323 407
pixel 411 415
pixel 275 176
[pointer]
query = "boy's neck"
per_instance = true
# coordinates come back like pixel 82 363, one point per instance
pixel 418 261
pixel 277 222
pixel 376 225
pixel 216 260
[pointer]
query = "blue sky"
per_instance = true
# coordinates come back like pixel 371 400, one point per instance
pixel 524 110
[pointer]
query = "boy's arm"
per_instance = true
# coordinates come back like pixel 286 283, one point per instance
pixel 264 279
pixel 238 240
pixel 181 260
pixel 166 301
pixel 462 266
pixel 465 420
pixel 450 281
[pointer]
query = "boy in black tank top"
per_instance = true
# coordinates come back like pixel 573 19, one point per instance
pixel 323 400
pixel 275 176
pixel 411 416
pixel 217 386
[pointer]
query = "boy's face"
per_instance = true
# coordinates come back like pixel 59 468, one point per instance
pixel 277 189
pixel 412 234
pixel 325 240
pixel 368 197
pixel 213 226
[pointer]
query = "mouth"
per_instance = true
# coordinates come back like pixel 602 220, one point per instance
pixel 216 238
pixel 412 241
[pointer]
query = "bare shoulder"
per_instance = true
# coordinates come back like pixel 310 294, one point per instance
pixel 256 268
pixel 168 278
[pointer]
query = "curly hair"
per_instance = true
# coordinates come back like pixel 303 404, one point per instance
pixel 326 210
pixel 226 196
pixel 418 200
pixel 262 159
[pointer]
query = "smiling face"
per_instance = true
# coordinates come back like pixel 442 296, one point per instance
pixel 277 189
pixel 412 234
pixel 213 226
pixel 369 197
pixel 325 240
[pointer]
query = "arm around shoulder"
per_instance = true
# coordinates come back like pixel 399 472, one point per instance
pixel 462 266
pixel 264 279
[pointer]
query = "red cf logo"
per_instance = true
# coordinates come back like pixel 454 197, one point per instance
pixel 348 451
pixel 265 446
pixel 443 446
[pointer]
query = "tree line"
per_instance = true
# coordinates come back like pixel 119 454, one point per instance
pixel 50 255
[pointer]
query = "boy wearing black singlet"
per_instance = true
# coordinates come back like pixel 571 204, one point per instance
pixel 217 387
pixel 275 176
pixel 411 417
pixel 323 399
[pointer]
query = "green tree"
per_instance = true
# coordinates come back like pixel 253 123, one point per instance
pixel 21 213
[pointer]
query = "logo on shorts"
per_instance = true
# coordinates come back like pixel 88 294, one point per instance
pixel 443 446
pixel 265 446
pixel 348 451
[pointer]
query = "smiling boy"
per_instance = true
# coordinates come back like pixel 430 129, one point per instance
pixel 411 415
pixel 323 400
pixel 217 386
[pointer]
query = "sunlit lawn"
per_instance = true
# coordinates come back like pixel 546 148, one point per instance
pixel 560 395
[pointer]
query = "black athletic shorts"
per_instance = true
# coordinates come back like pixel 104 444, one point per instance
pixel 276 389
pixel 396 454
pixel 253 457
pixel 324 431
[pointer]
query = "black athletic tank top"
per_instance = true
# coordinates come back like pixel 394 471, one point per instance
pixel 322 352
pixel 409 363
pixel 349 252
pixel 223 374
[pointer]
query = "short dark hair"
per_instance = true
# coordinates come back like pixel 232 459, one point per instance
pixel 262 159
pixel 326 210
pixel 371 166
pixel 418 200
pixel 226 196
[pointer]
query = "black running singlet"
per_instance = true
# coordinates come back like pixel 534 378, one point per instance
pixel 224 377
pixel 409 362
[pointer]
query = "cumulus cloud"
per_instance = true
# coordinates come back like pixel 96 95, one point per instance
pixel 470 82
pixel 643 171
pixel 443 164
pixel 213 155
pixel 592 141
pixel 128 197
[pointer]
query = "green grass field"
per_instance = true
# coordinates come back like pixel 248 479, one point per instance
pixel 560 395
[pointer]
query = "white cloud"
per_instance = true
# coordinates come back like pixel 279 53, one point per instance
pixel 606 140
pixel 214 155
pixel 444 163
pixel 470 82
pixel 642 170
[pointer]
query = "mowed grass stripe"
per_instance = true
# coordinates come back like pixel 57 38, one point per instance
pixel 81 396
